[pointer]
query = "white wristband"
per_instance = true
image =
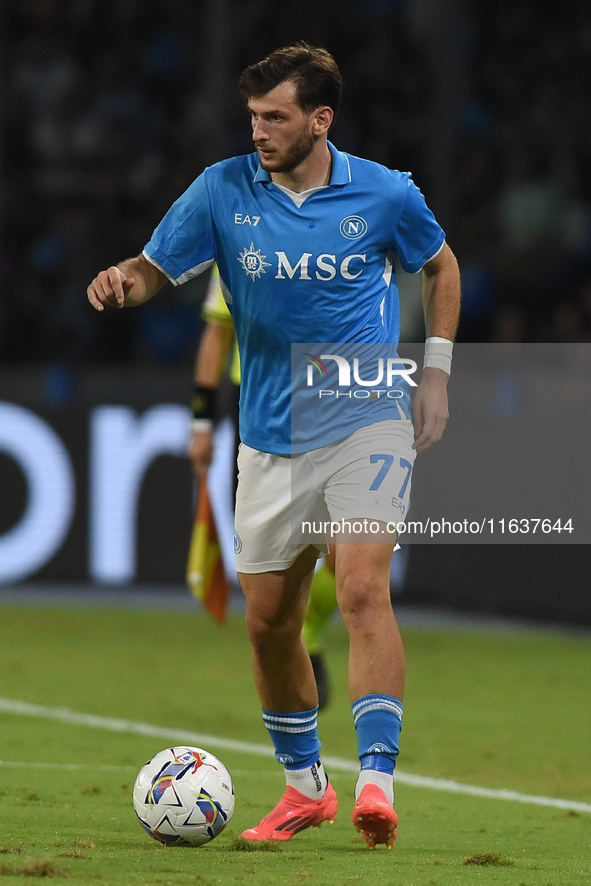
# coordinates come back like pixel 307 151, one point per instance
pixel 438 353
pixel 201 424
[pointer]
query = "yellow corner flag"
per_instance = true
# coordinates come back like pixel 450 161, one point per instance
pixel 205 569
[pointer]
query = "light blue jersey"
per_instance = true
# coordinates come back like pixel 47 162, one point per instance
pixel 317 272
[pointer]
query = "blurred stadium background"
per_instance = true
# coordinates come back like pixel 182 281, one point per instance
pixel 109 109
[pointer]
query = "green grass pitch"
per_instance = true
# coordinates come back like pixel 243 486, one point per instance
pixel 498 710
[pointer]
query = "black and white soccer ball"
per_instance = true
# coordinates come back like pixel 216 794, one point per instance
pixel 184 796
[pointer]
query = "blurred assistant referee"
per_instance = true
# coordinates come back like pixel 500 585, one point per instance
pixel 305 238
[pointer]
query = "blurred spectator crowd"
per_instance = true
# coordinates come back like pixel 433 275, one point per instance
pixel 108 115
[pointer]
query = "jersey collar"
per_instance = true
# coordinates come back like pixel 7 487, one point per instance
pixel 340 175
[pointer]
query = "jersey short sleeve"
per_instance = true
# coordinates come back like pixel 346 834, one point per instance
pixel 182 245
pixel 417 237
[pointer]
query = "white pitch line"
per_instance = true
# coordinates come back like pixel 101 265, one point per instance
pixel 183 736
pixel 21 764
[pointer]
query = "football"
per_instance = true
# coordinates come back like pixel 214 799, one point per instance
pixel 183 796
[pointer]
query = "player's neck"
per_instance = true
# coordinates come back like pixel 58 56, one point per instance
pixel 314 172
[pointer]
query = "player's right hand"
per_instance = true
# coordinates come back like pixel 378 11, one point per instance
pixel 109 288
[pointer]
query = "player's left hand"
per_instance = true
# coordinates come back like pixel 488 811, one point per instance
pixel 429 408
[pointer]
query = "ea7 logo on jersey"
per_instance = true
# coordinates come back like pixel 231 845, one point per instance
pixel 240 219
pixel 306 267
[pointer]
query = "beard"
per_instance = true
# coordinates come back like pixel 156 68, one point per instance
pixel 297 152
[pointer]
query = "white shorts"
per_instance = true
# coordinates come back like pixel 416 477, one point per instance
pixel 284 504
